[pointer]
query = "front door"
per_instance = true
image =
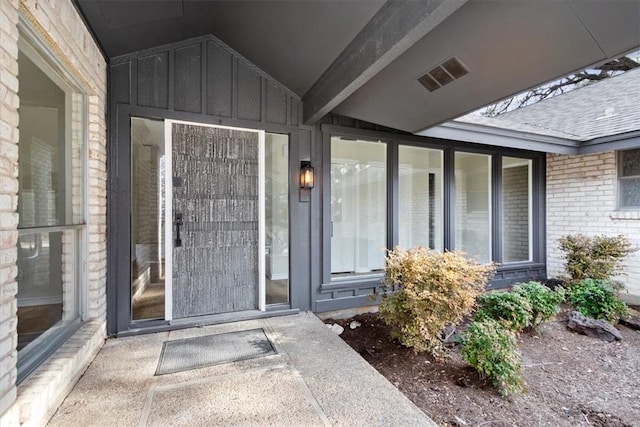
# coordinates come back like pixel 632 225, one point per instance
pixel 215 222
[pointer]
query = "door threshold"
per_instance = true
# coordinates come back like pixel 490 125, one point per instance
pixel 213 319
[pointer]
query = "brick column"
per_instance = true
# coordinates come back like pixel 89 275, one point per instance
pixel 9 103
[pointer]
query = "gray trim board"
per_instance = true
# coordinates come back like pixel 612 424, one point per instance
pixel 615 142
pixel 511 274
pixel 150 327
pixel 449 194
pixel 499 137
pixel 391 31
pixel 496 206
pixel 393 197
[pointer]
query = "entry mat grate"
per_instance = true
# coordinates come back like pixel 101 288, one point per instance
pixel 208 350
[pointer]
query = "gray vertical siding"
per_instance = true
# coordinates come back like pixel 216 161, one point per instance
pixel 178 77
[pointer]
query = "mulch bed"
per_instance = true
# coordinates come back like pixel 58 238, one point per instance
pixel 571 379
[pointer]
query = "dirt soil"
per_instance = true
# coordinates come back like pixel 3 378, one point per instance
pixel 571 379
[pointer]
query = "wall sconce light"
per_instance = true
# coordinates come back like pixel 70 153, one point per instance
pixel 306 175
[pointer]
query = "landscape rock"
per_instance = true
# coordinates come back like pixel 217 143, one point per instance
pixel 450 335
pixel 354 324
pixel 592 327
pixel 337 329
pixel 631 320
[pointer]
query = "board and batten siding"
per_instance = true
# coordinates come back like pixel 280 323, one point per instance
pixel 199 80
pixel 202 76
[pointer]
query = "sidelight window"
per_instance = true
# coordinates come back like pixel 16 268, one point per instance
pixel 277 218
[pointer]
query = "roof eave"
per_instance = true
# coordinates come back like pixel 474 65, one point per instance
pixel 490 135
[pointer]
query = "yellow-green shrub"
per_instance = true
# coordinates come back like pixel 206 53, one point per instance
pixel 434 289
pixel 597 257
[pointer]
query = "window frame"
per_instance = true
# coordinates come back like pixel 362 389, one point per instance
pixel 438 225
pixel 620 177
pixel 31 44
pixel 342 278
pixel 345 287
pixel 530 201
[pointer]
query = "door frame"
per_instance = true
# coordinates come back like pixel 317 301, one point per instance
pixel 168 225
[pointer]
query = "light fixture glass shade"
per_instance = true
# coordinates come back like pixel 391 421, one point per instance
pixel 306 175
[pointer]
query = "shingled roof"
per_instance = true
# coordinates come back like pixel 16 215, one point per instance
pixel 606 108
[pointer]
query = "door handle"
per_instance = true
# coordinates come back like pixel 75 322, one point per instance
pixel 178 223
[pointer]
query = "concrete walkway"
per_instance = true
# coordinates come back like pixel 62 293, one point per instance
pixel 314 379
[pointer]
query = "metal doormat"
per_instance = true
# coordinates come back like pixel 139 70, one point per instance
pixel 208 350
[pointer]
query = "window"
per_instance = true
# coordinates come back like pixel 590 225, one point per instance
pixel 148 162
pixel 516 209
pixel 50 206
pixel 358 206
pixel 420 197
pixel 411 192
pixel 277 218
pixel 629 179
pixel 473 204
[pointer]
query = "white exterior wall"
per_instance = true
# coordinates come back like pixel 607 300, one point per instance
pixel 581 198
pixel 61 30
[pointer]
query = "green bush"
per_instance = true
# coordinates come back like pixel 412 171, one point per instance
pixel 490 348
pixel 433 289
pixel 509 308
pixel 597 257
pixel 543 301
pixel 597 299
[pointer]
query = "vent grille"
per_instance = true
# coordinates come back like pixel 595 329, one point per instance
pixel 443 74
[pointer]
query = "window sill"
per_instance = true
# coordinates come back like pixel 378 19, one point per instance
pixel 627 215
pixel 40 394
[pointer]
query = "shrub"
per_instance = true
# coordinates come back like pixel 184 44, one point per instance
pixel 490 348
pixel 509 308
pixel 597 299
pixel 434 289
pixel 543 301
pixel 595 257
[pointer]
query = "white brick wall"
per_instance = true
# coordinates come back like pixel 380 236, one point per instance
pixel 581 198
pixel 61 30
pixel 8 205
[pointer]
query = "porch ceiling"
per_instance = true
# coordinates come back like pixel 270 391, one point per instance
pixel 507 45
pixel 293 41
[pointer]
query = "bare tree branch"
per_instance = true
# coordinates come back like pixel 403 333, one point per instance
pixel 566 84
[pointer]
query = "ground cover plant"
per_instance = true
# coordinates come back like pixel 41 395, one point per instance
pixel 543 301
pixel 597 299
pixel 489 343
pixel 511 309
pixel 490 348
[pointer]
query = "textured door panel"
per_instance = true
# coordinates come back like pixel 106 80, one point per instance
pixel 215 175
